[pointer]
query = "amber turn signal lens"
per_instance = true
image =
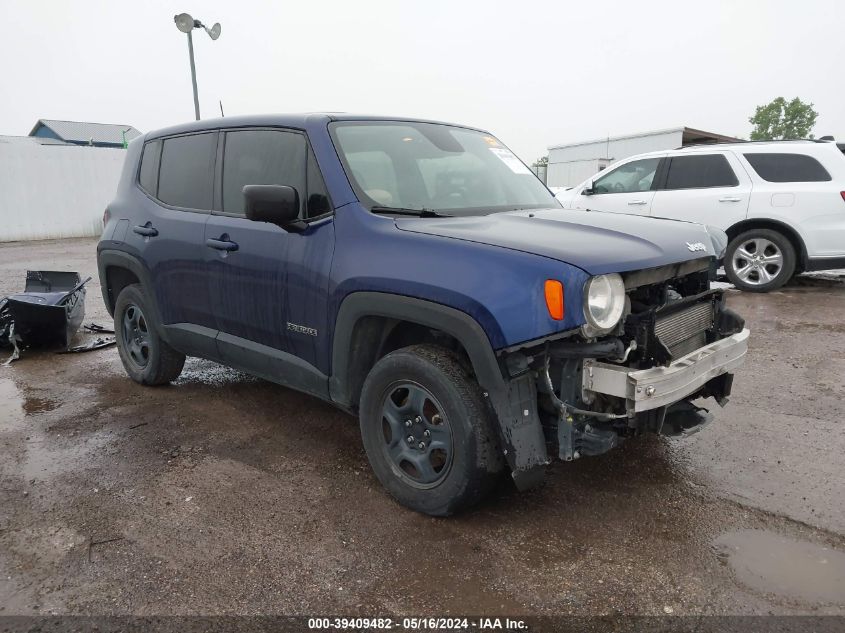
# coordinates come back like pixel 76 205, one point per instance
pixel 554 299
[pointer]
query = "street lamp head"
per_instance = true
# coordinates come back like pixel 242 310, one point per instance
pixel 214 31
pixel 184 22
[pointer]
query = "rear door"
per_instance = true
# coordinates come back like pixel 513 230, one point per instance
pixel 803 191
pixel 177 174
pixel 270 288
pixel 707 188
pixel 626 188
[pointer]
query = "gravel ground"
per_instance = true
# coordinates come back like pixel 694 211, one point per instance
pixel 224 494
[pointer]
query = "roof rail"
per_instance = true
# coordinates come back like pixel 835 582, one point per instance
pixel 712 143
pixel 745 142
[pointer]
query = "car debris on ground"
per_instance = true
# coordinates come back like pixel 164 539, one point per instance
pixel 47 314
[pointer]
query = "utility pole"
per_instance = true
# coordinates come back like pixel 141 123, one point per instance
pixel 186 24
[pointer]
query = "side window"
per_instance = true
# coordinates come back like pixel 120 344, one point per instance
pixel 628 178
pixel 148 173
pixel 262 157
pixel 186 176
pixel 318 197
pixel 700 171
pixel 787 167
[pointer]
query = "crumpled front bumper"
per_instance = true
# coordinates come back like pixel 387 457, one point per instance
pixel 647 389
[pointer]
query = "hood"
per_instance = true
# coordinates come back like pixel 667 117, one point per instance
pixel 594 241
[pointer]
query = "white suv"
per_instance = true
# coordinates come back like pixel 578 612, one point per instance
pixel 782 203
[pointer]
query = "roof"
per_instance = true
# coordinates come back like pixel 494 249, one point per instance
pixel 29 140
pixel 296 121
pixel 689 134
pixel 81 132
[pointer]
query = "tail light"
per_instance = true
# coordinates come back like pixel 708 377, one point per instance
pixel 842 193
pixel 106 216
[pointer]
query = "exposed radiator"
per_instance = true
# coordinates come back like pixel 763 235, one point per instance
pixel 685 330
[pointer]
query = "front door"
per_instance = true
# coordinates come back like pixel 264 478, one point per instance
pixel 626 188
pixel 268 285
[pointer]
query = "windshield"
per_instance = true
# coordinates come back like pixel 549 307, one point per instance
pixel 407 165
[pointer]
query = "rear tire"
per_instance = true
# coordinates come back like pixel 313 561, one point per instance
pixel 146 357
pixel 428 431
pixel 760 260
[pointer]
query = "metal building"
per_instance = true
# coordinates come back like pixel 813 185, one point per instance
pixel 572 163
pixel 81 133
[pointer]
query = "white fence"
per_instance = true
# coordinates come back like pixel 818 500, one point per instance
pixel 50 191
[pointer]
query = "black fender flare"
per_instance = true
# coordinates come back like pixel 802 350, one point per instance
pixel 514 402
pixel 427 313
pixel 112 258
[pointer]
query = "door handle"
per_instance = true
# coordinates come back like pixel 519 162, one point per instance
pixel 146 230
pixel 730 199
pixel 637 202
pixel 222 244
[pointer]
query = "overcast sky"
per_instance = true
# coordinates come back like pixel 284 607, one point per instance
pixel 534 73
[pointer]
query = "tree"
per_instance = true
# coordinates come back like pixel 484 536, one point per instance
pixel 782 120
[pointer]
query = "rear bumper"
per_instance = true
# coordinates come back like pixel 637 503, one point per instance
pixel 647 389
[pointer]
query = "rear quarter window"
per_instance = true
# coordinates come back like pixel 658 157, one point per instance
pixel 787 167
pixel 148 173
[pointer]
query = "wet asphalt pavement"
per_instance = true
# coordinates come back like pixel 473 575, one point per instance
pixel 224 494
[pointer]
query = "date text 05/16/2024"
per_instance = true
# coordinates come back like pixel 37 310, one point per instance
pixel 418 624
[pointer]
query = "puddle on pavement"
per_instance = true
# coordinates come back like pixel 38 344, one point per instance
pixel 44 461
pixel 14 405
pixel 775 564
pixel 40 461
pixel 32 405
pixel 11 404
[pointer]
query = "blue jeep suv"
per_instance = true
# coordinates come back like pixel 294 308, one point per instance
pixel 417 275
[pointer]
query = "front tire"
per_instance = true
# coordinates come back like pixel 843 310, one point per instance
pixel 428 431
pixel 760 260
pixel 146 357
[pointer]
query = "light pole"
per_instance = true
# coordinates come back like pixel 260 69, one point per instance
pixel 186 24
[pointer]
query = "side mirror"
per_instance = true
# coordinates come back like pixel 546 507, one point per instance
pixel 278 204
pixel 589 191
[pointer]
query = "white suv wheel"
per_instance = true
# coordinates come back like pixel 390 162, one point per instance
pixel 760 260
pixel 757 261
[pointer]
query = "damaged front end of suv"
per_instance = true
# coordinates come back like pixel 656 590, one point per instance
pixel 654 342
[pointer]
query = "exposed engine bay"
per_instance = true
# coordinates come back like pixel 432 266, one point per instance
pixel 676 343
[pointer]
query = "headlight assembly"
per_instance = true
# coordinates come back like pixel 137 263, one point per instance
pixel 604 303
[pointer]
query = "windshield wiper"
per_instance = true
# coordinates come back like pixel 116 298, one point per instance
pixel 420 213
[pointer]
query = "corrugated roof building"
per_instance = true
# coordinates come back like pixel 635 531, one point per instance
pixel 571 163
pixel 81 133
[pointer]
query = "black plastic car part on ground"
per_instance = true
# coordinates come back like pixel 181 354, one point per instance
pixel 47 313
